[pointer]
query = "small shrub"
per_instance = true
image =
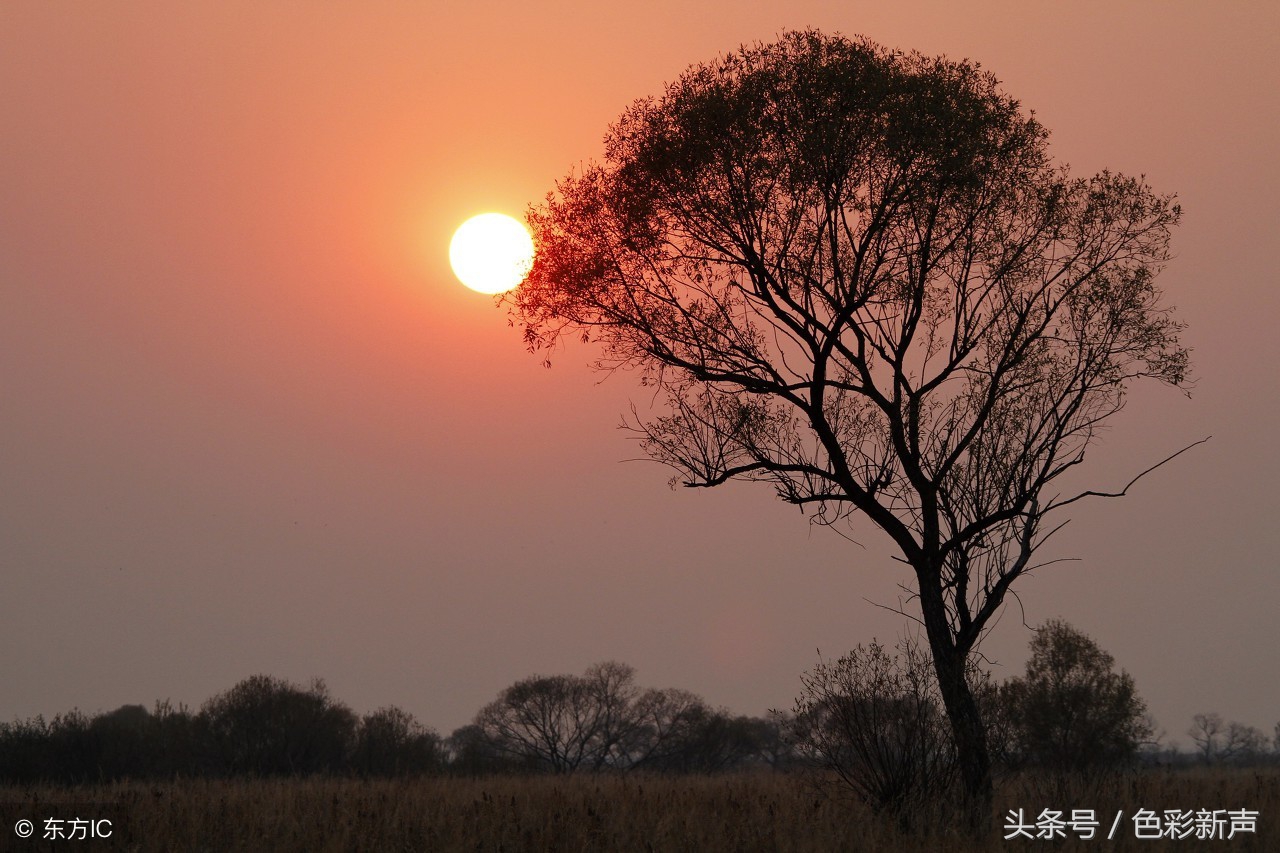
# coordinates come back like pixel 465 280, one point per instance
pixel 876 721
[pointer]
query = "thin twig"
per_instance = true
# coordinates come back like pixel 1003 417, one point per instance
pixel 1122 492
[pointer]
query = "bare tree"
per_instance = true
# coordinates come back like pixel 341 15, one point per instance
pixel 680 733
pixel 667 721
pixel 1219 741
pixel 564 723
pixel 610 689
pixel 539 719
pixel 1243 744
pixel 1204 732
pixel 603 721
pixel 857 275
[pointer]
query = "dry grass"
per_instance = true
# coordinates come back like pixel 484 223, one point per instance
pixel 585 813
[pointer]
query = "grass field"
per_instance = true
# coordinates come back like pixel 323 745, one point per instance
pixel 743 812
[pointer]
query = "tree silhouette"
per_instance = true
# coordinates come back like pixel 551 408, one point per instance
pixel 1072 712
pixel 391 742
pixel 857 275
pixel 1216 740
pixel 677 732
pixel 267 726
pixel 564 723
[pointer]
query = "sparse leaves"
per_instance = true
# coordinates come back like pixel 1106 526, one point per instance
pixel 858 275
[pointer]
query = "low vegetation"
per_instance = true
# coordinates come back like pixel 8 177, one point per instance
pixel 634 812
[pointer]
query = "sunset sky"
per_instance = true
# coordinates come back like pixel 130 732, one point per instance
pixel 250 422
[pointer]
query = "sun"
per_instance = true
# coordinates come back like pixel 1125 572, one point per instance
pixel 491 253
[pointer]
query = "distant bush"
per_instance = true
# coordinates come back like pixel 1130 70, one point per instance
pixel 268 727
pixel 390 742
pixel 1072 712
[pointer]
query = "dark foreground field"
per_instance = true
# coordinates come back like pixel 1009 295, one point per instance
pixel 585 813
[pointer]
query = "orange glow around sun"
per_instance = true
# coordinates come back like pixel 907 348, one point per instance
pixel 491 253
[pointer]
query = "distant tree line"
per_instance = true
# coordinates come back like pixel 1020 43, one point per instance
pixel 872 720
pixel 267 726
pixel 263 726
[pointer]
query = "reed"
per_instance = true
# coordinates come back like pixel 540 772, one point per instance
pixel 738 812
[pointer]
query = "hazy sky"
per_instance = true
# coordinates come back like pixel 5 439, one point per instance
pixel 249 421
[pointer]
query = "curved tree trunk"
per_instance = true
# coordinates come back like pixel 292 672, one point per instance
pixel 963 713
pixel 971 744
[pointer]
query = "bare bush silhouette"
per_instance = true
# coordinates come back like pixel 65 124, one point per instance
pixel 876 719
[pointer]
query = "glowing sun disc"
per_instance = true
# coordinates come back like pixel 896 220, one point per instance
pixel 491 253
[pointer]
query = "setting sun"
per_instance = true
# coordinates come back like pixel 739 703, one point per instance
pixel 491 253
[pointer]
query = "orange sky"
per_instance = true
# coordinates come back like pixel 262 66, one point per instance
pixel 251 423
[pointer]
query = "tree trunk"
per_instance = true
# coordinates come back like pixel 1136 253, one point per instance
pixel 971 744
pixel 962 711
